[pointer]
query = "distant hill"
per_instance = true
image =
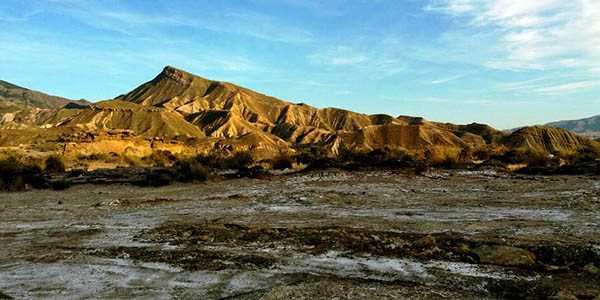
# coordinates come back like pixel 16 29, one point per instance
pixel 14 97
pixel 589 127
pixel 180 106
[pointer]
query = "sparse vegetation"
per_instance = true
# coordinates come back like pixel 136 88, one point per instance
pixel 238 160
pixel 54 164
pixel 156 179
pixel 16 176
pixel 162 157
pixel 192 170
pixel 241 159
pixel 60 185
pixel 282 161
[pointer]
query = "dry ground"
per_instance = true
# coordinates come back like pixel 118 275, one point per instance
pixel 320 235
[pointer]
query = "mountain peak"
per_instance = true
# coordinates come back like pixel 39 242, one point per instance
pixel 178 75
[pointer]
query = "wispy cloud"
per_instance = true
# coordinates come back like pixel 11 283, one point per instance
pixel 567 88
pixel 335 8
pixel 348 60
pixel 447 79
pixel 376 61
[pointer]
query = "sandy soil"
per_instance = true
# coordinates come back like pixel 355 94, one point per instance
pixel 320 235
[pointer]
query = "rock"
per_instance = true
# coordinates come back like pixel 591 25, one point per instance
pixel 563 295
pixel 591 269
pixel 115 202
pixel 426 241
pixel 5 296
pixel 504 256
pixel 557 269
pixel 237 196
pixel 462 249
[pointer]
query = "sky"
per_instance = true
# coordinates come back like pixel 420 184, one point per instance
pixel 506 63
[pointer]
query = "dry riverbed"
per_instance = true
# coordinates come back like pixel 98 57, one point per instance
pixel 318 235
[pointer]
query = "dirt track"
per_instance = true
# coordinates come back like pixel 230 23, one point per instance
pixel 320 235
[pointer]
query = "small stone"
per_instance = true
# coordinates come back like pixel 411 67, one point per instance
pixel 504 256
pixel 551 268
pixel 591 269
pixel 563 295
pixel 462 249
pixel 426 241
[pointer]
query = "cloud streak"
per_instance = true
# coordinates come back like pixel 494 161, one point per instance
pixel 126 21
pixel 567 88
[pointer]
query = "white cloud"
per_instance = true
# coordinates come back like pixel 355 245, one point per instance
pixel 533 34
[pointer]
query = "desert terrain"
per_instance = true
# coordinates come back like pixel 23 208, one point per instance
pixel 324 234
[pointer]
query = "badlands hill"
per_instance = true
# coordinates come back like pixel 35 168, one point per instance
pixel 201 113
pixel 13 97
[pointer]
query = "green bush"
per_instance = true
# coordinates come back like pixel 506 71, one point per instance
pixel 54 163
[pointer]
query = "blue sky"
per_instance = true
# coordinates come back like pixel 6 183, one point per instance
pixel 506 63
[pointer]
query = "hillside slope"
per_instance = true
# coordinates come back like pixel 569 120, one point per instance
pixel 180 106
pixel 13 97
pixel 549 139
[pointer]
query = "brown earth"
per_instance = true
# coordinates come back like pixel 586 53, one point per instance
pixel 485 234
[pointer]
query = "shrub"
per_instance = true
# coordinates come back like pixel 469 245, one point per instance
pixel 282 161
pixel 536 159
pixel 239 160
pixel 582 156
pixel 15 176
pixel 60 185
pixel 192 170
pixel 450 163
pixel 54 163
pixel 212 160
pixel 466 154
pixel 132 160
pixel 163 157
pixel 156 179
pixel 309 154
pixel 482 153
